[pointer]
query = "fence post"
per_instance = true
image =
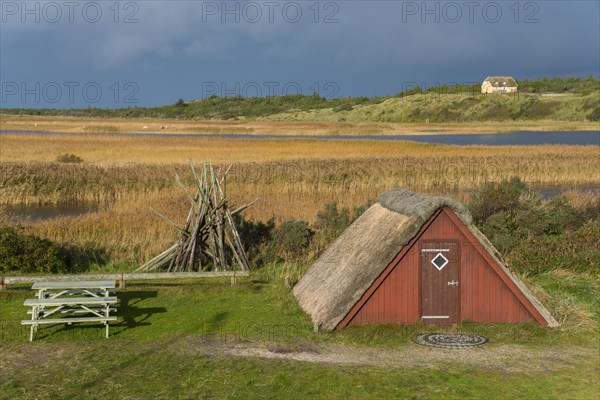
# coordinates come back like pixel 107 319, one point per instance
pixel 122 282
pixel 2 284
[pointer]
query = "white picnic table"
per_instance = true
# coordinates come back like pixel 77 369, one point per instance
pixel 91 301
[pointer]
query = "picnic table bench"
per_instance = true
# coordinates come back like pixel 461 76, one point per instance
pixel 92 304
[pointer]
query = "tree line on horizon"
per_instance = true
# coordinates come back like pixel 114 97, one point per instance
pixel 231 107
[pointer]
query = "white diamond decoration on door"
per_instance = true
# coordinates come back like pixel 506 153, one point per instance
pixel 439 261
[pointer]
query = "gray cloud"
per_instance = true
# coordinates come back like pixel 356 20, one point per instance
pixel 372 47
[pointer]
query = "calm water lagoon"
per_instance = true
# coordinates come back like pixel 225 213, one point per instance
pixel 583 138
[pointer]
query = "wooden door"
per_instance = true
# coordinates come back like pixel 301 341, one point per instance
pixel 440 282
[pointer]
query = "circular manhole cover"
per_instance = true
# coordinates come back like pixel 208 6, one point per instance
pixel 450 340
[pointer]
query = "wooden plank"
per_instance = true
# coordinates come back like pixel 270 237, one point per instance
pixel 129 276
pixel 81 293
pixel 493 283
pixel 61 301
pixel 410 271
pixel 466 272
pixel 497 269
pixel 74 285
pixel 391 266
pixel 74 310
pixel 66 320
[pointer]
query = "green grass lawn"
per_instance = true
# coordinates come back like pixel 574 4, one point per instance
pixel 135 370
pixel 161 348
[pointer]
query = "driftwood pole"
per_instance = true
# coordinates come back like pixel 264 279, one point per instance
pixel 209 233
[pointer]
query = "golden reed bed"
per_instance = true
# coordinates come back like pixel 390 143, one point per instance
pixel 292 178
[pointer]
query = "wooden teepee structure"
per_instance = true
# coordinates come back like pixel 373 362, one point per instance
pixel 209 232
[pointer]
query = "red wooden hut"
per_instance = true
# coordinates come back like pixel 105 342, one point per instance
pixel 410 258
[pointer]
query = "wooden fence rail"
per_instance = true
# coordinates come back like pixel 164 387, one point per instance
pixel 6 280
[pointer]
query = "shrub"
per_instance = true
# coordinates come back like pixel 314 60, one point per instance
pixel 81 258
pixel 562 216
pixel 493 198
pixel 499 228
pixel 255 237
pixel 573 250
pixel 332 221
pixel 532 219
pixel 291 239
pixel 509 213
pixel 585 204
pixel 29 254
pixel 343 107
pixel 536 235
pixel 69 159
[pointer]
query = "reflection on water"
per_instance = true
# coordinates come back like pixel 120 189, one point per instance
pixel 513 138
pixel 584 138
pixel 549 191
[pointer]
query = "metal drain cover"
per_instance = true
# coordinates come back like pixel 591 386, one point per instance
pixel 450 340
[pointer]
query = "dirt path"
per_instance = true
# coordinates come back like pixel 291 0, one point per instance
pixel 513 358
pixel 504 357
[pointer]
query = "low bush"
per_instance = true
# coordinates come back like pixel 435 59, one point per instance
pixel 494 198
pixel 24 253
pixel 343 107
pixel 572 250
pixel 537 235
pixel 69 159
pixel 291 239
pixel 332 221
pixel 254 235
pixel 294 241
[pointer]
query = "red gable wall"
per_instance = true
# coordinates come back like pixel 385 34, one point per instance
pixel 486 293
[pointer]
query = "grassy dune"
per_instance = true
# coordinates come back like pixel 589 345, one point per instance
pixel 461 107
pixel 557 99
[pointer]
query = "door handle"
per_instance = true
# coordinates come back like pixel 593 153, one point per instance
pixel 452 283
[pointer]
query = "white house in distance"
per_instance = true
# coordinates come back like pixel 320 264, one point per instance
pixel 499 84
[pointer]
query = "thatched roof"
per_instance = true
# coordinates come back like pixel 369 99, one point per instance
pixel 499 81
pixel 345 271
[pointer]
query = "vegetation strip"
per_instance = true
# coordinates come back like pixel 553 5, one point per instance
pixel 577 100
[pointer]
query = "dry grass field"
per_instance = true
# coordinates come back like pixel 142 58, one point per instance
pixel 107 149
pixel 293 179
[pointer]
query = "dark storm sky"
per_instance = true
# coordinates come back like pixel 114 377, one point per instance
pixel 109 54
